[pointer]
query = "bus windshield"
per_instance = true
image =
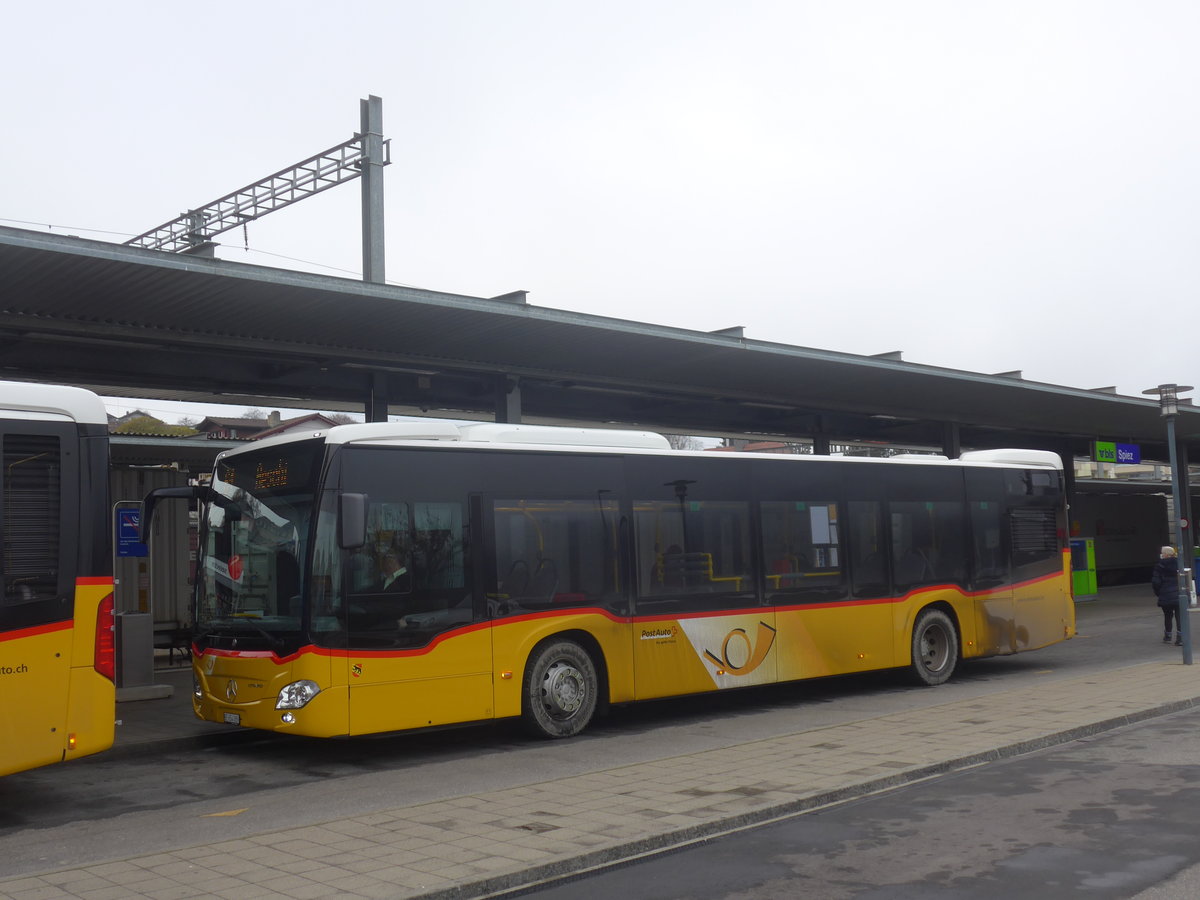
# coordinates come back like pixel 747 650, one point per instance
pixel 254 536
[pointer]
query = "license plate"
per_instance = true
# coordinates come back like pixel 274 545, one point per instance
pixel 233 719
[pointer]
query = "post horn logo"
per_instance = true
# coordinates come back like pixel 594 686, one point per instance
pixel 740 655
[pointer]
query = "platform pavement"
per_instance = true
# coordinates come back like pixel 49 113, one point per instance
pixel 481 844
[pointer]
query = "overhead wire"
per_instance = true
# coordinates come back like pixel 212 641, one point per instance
pixel 66 229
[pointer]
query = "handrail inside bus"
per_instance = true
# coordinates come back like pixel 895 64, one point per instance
pixel 196 492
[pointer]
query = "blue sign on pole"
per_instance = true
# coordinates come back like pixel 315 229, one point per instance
pixel 128 544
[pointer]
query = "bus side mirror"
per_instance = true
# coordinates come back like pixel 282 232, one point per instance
pixel 352 520
pixel 151 500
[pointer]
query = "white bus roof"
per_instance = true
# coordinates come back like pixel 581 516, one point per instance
pixel 497 433
pixel 23 400
pixel 559 437
pixel 1039 458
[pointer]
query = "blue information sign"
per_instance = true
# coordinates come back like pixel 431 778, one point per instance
pixel 1129 454
pixel 128 544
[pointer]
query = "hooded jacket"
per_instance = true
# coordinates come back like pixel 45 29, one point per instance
pixel 1165 581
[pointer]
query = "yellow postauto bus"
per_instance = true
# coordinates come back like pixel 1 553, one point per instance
pixel 389 576
pixel 57 700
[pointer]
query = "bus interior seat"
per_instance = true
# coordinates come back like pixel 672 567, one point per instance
pixel 687 569
pixel 516 582
pixel 544 583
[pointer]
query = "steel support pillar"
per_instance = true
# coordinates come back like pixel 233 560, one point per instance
pixel 951 440
pixel 372 164
pixel 376 406
pixel 1068 464
pixel 508 400
pixel 1185 501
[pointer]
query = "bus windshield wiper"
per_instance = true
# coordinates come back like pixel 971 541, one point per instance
pixel 227 629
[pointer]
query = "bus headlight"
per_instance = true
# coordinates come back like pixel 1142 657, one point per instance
pixel 297 694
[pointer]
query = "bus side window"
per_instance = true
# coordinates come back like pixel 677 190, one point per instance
pixel 868 555
pixel 802 549
pixel 927 542
pixel 408 584
pixel 987 552
pixel 693 554
pixel 552 553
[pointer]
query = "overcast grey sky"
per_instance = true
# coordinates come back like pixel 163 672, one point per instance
pixel 984 185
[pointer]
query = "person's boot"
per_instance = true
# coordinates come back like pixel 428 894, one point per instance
pixel 1178 639
pixel 1167 638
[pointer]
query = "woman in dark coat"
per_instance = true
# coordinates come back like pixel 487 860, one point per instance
pixel 1165 582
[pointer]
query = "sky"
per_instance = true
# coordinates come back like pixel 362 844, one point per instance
pixel 987 186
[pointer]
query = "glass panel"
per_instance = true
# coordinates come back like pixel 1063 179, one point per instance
pixel 408 583
pixel 554 553
pixel 697 548
pixel 927 543
pixel 255 536
pixel 1032 482
pixel 987 552
pixel 868 556
pixel 802 550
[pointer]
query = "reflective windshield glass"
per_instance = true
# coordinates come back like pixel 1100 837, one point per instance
pixel 253 547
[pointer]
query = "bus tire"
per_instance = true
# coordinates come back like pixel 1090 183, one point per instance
pixel 934 648
pixel 560 690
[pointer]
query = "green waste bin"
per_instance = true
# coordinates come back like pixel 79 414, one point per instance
pixel 1083 568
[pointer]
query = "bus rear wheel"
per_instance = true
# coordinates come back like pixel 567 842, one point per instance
pixel 559 691
pixel 934 648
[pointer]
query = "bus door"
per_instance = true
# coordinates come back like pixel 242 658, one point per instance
pixel 858 633
pixel 805 566
pixel 699 625
pixel 416 654
pixel 552 565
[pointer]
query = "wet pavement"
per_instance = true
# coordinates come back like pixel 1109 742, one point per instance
pixel 479 844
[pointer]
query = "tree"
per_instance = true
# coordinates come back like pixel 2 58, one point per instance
pixel 341 418
pixel 683 442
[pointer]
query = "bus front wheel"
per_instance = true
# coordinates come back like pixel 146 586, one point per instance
pixel 934 648
pixel 560 690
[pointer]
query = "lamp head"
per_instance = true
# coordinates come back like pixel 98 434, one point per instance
pixel 1168 397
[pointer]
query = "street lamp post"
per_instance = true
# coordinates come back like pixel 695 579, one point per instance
pixel 1168 402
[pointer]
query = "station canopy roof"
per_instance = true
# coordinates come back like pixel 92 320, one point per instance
pixel 125 321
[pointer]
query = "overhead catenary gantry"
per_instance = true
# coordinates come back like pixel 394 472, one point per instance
pixel 363 156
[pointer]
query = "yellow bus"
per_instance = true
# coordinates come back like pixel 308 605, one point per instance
pixel 381 577
pixel 57 700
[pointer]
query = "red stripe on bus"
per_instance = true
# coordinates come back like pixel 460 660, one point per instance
pixel 341 653
pixel 94 579
pixel 37 629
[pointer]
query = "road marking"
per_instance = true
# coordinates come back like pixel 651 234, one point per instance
pixel 231 812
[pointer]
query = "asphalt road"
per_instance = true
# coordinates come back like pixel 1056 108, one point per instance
pixel 104 807
pixel 1101 818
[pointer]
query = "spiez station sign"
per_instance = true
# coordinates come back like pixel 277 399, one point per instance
pixel 1109 452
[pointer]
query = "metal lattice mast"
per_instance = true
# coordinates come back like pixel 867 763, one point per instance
pixel 363 156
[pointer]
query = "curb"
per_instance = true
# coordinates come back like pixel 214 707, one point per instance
pixel 563 870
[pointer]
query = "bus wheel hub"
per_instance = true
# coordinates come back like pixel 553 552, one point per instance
pixel 563 690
